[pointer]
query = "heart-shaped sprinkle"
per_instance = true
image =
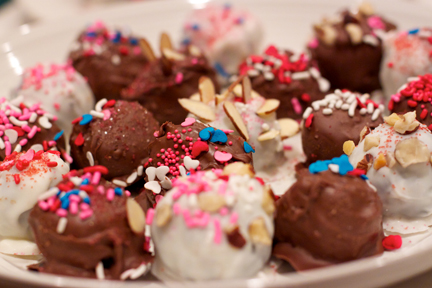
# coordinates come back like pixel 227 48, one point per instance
pixel 107 114
pixel 86 118
pixel 166 183
pixel 20 131
pixel 199 147
pixel 392 242
pixel 28 155
pixel 219 136
pixel 206 133
pixel 12 135
pixel 45 122
pixel 189 163
pixel 182 171
pixel 248 148
pixel 161 172
pixel 222 156
pixel 79 140
pixel 153 186
pixel 37 147
pixel 151 173
pixel 188 122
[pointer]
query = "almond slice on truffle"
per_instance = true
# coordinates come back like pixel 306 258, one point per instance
pixel 269 106
pixel 258 232
pixel 246 90
pixel 239 168
pixel 268 202
pixel 411 151
pixel 355 32
pixel 236 119
pixel 172 55
pixel 269 135
pixel 198 108
pixel 289 127
pixel 211 202
pixel 163 214
pixel 136 216
pixel 165 42
pixel 147 50
pixel 206 90
pixel 194 50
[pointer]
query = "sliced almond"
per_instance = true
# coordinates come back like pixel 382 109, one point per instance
pixel 206 90
pixel 366 8
pixel 136 216
pixel 194 50
pixel 211 202
pixel 326 33
pixel 222 97
pixel 364 132
pixel 355 33
pixel 258 232
pixel 268 202
pixel 380 162
pixel 269 135
pixel 269 106
pixel 195 97
pixel 411 151
pixel 348 147
pixel 172 55
pixel 239 168
pixel 391 120
pixel 246 90
pixel 236 119
pixel 238 91
pixel 370 142
pixel 163 214
pixel 199 109
pixel 165 42
pixel 289 127
pixel 147 50
pixel 390 160
pixel 407 123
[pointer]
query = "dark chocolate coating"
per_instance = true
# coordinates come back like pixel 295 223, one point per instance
pixel 325 219
pixel 350 66
pixel 325 137
pixel 105 78
pixel 157 90
pixel 105 236
pixel 118 143
pixel 402 107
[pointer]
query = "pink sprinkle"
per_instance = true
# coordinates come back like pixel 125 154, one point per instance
pixel 23 142
pixel 227 131
pixel 222 156
pixel 96 178
pixel 296 106
pixel 32 132
pixel 110 194
pixel 223 211
pixel 52 143
pixel 74 198
pixel 43 205
pixel 8 148
pixel 179 78
pixel 375 22
pixel 51 200
pixel 136 50
pixel 127 193
pixel 26 128
pixel 73 207
pixel 218 232
pixel 107 114
pixel 67 157
pixel 287 147
pixel 84 206
pixel 150 214
pixel 61 212
pixel 313 43
pixel 177 209
pixel 234 218
pixel 85 214
pixel 56 106
pixel 194 61
pixel 101 190
pixel 28 155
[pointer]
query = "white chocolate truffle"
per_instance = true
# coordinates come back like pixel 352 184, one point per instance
pixel 397 157
pixel 213 226
pixel 226 35
pixel 60 90
pixel 23 178
pixel 406 54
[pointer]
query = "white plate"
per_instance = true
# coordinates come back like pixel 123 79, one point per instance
pixel 287 24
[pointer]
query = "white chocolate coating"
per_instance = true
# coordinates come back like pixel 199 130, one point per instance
pixel 202 252
pixel 60 90
pixel 16 200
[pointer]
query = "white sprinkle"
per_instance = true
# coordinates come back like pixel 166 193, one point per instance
pixel 402 88
pixel 324 84
pixel 151 173
pixel 2 144
pixel 76 180
pixel 162 171
pixel 18 148
pixel 119 183
pixel 147 231
pixel 327 111
pixel 371 40
pixel 314 72
pixel 193 201
pixel 351 99
pixel 51 192
pixel 339 104
pixel 182 171
pixel 16 109
pixel 143 268
pixel 352 108
pixel 44 122
pixel 61 225
pixel 338 92
pixel 132 178
pixel 269 76
pixel 424 33
pixel 381 107
pixel 37 147
pixel 334 168
pixel 17 122
pixel 259 66
pixel 345 106
pixel 12 135
pixel 97 49
pixel 33 117
pixel 253 73
pixel 347 94
pixel 332 104
pixel 140 170
pixel 412 79
pixel 61 194
pixel 89 156
pixel 300 75
pixel 316 105
pixel 166 183
pixel 265 127
pixel 363 111
pixel 83 194
pixel 97 114
pixel 153 186
pixel 267 68
pixel 370 108
pixel 295 57
pixel 100 273
pixel 277 63
pixel 100 104
pixel 16 102
pixel 49 116
pixel 115 59
pixel 375 115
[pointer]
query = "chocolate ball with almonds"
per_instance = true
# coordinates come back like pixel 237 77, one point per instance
pixel 90 229
pixel 116 137
pixel 328 218
pixel 288 77
pixel 172 76
pixel 348 49
pixel 232 212
pixel 339 117
pixel 110 59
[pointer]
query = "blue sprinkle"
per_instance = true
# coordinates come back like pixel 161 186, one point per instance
pixel 186 41
pixel 318 166
pixel 240 20
pixel 86 200
pixel 133 41
pixel 85 182
pixel 195 27
pixel 58 135
pixel 65 204
pixel 221 70
pixel 188 173
pixel 206 133
pixel 86 118
pixel 219 136
pixel 414 31
pixel 248 148
pixel 118 191
pixel 364 177
pixel 117 37
pixel 344 164
pixel 91 34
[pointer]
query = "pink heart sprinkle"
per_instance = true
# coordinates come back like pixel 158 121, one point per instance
pixel 227 131
pixel 222 156
pixel 107 114
pixel 188 122
pixel 28 155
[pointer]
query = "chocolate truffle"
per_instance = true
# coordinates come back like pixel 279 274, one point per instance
pixel 290 78
pixel 28 127
pixel 172 76
pixel 87 227
pixel 406 54
pixel 23 178
pixel 226 35
pixel 60 90
pixel 109 59
pixel 227 219
pixel 339 117
pixel 348 49
pixel 416 95
pixel 397 158
pixel 190 146
pixel 328 217
pixel 115 134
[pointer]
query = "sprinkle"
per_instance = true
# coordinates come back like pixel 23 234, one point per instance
pixel 179 78
pixel 51 192
pixel 188 122
pixel 100 104
pixel 132 178
pixel 86 214
pixel 217 231
pixel 115 59
pixel 17 179
pixel 150 215
pixel 140 170
pixel 308 121
pixel 118 191
pixel 58 135
pixel 392 242
pixel 86 118
pixel 222 156
pixel 96 178
pixel 119 183
pixel 92 169
pixel 52 164
pixel 44 122
pixel 296 106
pixel 18 148
pixel 100 273
pixel 79 140
pixel 110 193
pixel 61 225
pixel 97 114
pixel 248 148
pixel 89 156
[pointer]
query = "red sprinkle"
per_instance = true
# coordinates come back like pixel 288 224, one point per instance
pixel 308 121
pixel 423 114
pixel 198 147
pixel 79 140
pixel 17 178
pixel 52 164
pixel 87 188
pixel 260 180
pixel 96 168
pixel 77 120
pixel 390 65
pixel 412 103
pixel 110 103
pixel 45 145
pixel 38 155
pixel 360 103
pixel 392 242
pixel 305 97
pixel 19 130
pixel 391 105
pixel 356 172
